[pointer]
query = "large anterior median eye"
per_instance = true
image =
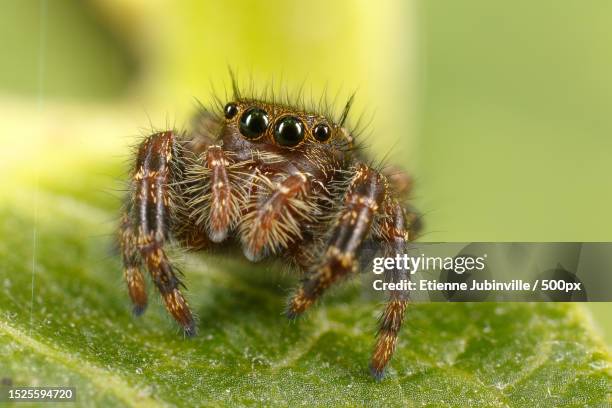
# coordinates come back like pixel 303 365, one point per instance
pixel 253 123
pixel 289 131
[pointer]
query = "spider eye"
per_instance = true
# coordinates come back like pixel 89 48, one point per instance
pixel 230 110
pixel 253 123
pixel 321 132
pixel 289 131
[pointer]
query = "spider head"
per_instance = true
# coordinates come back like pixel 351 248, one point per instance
pixel 282 126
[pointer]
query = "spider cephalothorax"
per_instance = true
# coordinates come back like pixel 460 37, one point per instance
pixel 282 181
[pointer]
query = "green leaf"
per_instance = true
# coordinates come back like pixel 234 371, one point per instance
pixel 65 320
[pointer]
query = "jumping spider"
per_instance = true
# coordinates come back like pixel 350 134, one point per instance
pixel 285 182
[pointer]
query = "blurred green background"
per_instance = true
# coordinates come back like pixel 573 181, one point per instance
pixel 500 109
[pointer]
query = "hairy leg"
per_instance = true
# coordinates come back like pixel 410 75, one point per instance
pixel 225 199
pixel 394 230
pixel 369 196
pixel 147 228
pixel 362 200
pixel 214 191
pixel 188 188
pixel 277 209
pixel 132 265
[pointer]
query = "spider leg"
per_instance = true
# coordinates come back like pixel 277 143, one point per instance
pixel 132 265
pixel 395 229
pixel 224 197
pixel 275 219
pixel 362 200
pixel 155 167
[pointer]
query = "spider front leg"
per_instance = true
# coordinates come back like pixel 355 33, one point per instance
pixel 145 229
pixel 275 213
pixel 362 200
pixel 215 193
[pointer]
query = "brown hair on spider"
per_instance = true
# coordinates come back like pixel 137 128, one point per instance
pixel 286 182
